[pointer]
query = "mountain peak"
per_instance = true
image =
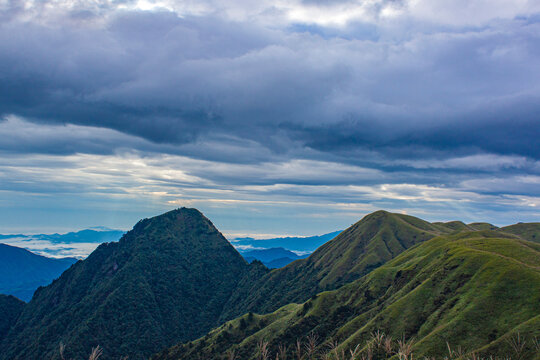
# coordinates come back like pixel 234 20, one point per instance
pixel 186 225
pixel 164 281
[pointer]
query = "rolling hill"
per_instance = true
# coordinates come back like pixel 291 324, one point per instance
pixel 472 289
pixel 527 231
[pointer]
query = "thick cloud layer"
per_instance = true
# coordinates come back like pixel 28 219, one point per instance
pixel 411 95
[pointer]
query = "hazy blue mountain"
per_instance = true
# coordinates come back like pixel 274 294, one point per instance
pixel 273 257
pixel 279 263
pixel 304 244
pixel 22 272
pixel 94 235
pixel 266 255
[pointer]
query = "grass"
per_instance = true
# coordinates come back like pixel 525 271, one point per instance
pixel 378 347
pixel 471 289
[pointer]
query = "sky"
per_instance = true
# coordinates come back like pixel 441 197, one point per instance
pixel 272 117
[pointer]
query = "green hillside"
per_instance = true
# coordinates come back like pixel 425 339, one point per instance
pixel 527 231
pixel 455 226
pixel 475 290
pixel 364 246
pixel 165 281
pixel 482 226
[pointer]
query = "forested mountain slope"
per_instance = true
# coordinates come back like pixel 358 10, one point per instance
pixel 165 281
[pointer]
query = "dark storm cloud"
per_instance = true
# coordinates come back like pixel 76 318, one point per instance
pixel 193 83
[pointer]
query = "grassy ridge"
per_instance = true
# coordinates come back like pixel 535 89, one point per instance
pixel 527 231
pixel 364 246
pixel 473 289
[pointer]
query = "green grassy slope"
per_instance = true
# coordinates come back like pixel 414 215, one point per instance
pixel 472 289
pixel 10 309
pixel 527 231
pixel 453 226
pixel 164 281
pixel 482 226
pixel 364 246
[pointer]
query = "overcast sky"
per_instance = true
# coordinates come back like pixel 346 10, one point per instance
pixel 272 117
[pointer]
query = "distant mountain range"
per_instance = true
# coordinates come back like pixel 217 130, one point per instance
pixel 305 245
pixel 272 258
pixel 69 243
pixel 22 272
pixel 95 235
pixel 73 244
pixel 174 278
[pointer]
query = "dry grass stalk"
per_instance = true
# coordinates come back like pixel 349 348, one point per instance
pixel 355 352
pixel 299 351
pixel 405 349
pixel 311 345
pixel 518 345
pixel 62 349
pixel 388 345
pixel 263 350
pixel 96 353
pixel 231 354
pixel 282 351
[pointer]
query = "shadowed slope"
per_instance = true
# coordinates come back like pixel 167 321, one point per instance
pixel 10 309
pixel 472 289
pixel 364 246
pixel 165 281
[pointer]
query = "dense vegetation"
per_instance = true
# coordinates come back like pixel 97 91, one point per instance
pixel 477 290
pixel 22 272
pixel 10 309
pixel 164 281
